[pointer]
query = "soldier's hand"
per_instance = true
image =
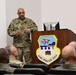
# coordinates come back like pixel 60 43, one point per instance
pixel 26 31
pixel 17 33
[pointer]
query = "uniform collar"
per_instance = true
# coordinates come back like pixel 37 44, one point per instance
pixel 22 20
pixel 68 66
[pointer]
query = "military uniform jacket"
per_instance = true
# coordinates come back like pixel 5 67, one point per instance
pixel 17 24
pixel 7 67
pixel 15 61
pixel 67 66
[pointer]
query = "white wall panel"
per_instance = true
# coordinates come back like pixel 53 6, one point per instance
pixel 63 11
pixel 3 40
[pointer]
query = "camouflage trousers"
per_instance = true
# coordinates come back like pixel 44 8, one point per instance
pixel 26 53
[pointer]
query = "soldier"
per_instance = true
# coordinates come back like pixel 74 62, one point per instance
pixel 72 43
pixel 13 55
pixel 68 53
pixel 4 61
pixel 20 29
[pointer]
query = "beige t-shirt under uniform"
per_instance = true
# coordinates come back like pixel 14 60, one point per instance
pixel 15 61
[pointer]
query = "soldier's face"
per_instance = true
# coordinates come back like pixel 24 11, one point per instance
pixel 15 52
pixel 21 14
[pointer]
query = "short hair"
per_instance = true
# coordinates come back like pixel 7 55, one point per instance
pixel 8 48
pixel 73 43
pixel 68 52
pixel 4 55
pixel 20 9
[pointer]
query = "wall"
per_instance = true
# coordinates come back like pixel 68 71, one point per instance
pixel 63 11
pixel 42 11
pixel 32 9
pixel 3 40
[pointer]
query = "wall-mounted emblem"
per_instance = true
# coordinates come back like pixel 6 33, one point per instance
pixel 48 51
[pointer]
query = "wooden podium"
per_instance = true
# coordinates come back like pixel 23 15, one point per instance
pixel 64 36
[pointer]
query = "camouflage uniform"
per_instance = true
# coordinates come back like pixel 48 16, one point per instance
pixel 7 67
pixel 66 66
pixel 17 62
pixel 22 42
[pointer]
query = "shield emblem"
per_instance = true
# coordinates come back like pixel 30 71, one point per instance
pixel 48 51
